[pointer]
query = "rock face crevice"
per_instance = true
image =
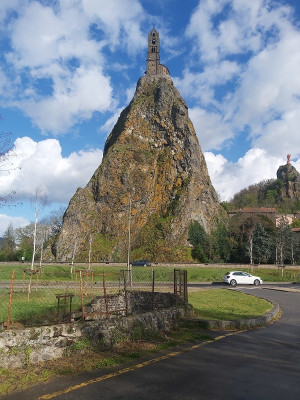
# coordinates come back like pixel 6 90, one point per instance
pixel 152 159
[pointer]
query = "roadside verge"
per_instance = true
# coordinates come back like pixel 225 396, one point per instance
pixel 240 324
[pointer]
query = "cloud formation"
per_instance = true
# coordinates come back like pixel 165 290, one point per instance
pixel 264 89
pixel 238 71
pixel 17 222
pixel 42 163
pixel 244 79
pixel 228 177
pixel 56 67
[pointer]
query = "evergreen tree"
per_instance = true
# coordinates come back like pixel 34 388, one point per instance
pixel 221 244
pixel 262 245
pixel 241 230
pixel 295 248
pixel 8 245
pixel 9 238
pixel 199 239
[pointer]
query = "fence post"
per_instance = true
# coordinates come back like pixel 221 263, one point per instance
pixel 185 288
pixel 10 299
pixel 75 291
pixel 29 287
pixel 23 281
pixel 81 295
pixel 180 283
pixel 153 288
pixel 37 281
pixel 125 292
pixel 105 295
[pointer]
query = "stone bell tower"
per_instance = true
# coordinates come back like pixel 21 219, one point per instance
pixel 153 59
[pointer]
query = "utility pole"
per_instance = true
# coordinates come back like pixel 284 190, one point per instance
pixel 129 235
pixel 129 245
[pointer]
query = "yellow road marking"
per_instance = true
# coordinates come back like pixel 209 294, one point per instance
pixel 129 369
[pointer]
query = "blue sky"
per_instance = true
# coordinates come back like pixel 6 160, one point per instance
pixel 68 67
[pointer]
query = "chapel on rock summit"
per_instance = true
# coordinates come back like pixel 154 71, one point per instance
pixel 153 58
pixel 153 172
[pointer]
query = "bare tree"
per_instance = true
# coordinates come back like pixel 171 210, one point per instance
pixel 44 231
pixel 38 202
pixel 283 242
pixel 249 245
pixel 55 219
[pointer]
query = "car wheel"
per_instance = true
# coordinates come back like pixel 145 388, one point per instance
pixel 256 282
pixel 233 282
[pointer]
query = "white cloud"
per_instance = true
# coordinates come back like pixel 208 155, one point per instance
pixel 40 36
pixel 56 66
pixel 230 27
pixel 7 6
pixel 202 86
pixel 6 220
pixel 42 163
pixel 268 97
pixel 211 129
pixel 258 93
pixel 229 178
pixel 120 19
pixel 75 98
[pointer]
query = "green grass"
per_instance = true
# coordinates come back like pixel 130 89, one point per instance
pixel 227 304
pixel 51 273
pixel 41 309
pixel 61 273
pixel 43 303
pixel 208 304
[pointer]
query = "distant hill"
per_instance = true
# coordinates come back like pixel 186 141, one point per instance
pixel 282 193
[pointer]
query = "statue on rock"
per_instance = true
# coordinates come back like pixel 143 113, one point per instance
pixel 290 179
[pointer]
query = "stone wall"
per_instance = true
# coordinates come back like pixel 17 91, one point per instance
pixel 22 347
pixel 137 302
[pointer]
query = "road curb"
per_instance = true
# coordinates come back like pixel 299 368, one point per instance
pixel 238 324
pixel 282 289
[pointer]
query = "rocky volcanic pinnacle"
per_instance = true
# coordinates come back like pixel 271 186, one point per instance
pixel 291 180
pixel 153 165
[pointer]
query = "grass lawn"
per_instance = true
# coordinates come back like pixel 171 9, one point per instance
pixel 43 303
pixel 227 304
pixel 62 273
pixel 208 304
pixel 41 309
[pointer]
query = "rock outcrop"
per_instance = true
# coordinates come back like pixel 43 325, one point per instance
pixel 291 181
pixel 153 166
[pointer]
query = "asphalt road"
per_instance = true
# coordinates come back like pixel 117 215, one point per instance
pixel 259 364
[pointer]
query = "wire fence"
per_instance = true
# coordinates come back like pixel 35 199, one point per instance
pixel 38 299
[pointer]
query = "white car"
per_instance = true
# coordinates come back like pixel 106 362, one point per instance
pixel 234 278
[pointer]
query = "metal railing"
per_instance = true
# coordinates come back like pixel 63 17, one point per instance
pixel 35 300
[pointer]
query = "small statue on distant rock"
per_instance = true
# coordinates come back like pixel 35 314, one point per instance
pixel 288 158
